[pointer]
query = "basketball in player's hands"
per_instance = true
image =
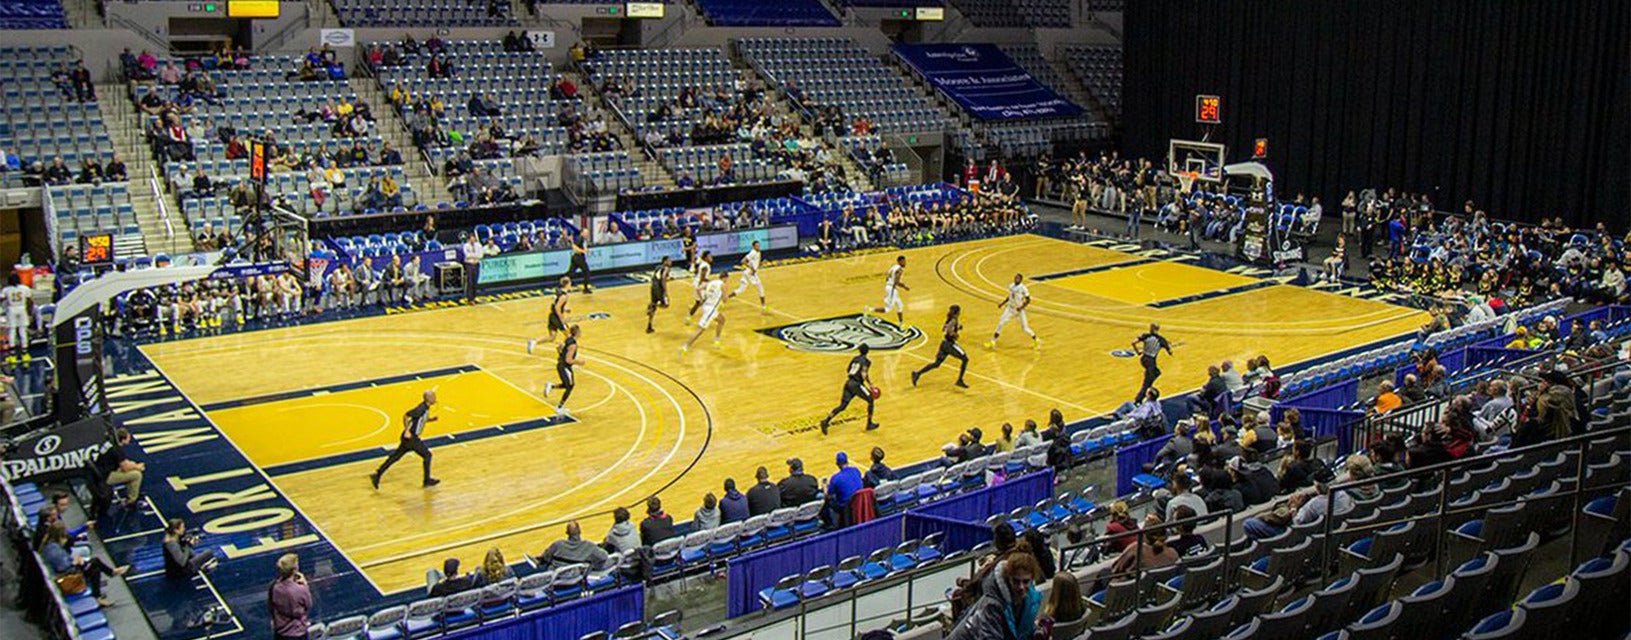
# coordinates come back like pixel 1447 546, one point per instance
pixel 876 392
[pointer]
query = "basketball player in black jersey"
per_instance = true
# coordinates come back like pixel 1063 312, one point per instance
pixel 857 385
pixel 659 291
pixel 413 427
pixel 566 357
pixel 948 347
pixel 557 312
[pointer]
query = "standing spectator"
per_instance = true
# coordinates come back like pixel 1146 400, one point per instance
pixel 763 497
pixel 289 600
pixel 473 252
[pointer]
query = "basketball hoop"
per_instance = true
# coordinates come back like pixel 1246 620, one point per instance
pixel 1186 180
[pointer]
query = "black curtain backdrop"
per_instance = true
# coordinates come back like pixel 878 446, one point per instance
pixel 1523 106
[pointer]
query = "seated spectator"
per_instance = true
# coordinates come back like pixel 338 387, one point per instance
pixel 1146 414
pixel 763 497
pixel 1180 446
pixel 1496 413
pixel 574 550
pixel 389 156
pixel 1187 542
pixel 1218 491
pixel 117 468
pixel 201 187
pixel 1386 399
pixel 706 517
pixel 115 170
pixel 1255 482
pixel 733 507
pixel 1181 485
pixel 493 568
pixel 1120 522
pixel 57 173
pixel 1451 437
pixel 1152 554
pixel 64 562
pixel 90 172
pixel 622 536
pixel 452 581
pixel 879 472
pixel 657 526
pixel 1301 468
pixel 1064 611
pixel 797 488
pixel 841 486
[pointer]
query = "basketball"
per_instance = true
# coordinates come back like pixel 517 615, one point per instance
pixel 876 392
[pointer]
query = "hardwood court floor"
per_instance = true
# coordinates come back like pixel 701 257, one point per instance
pixel 648 420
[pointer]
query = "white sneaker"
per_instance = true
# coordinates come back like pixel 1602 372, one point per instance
pixel 530 344
pixel 561 411
pixel 548 386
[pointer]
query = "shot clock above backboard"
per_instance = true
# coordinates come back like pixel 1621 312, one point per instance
pixel 1208 109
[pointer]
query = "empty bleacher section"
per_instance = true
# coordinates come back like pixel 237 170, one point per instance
pixel 410 13
pixel 609 172
pixel 835 72
pixel 704 120
pixel 1099 69
pixel 1017 112
pixel 45 119
pixel 483 106
pixel 32 14
pixel 759 13
pixel 1016 13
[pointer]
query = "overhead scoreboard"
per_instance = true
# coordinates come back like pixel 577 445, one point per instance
pixel 252 8
pixel 643 10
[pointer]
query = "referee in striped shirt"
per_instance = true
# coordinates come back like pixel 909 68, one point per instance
pixel 413 425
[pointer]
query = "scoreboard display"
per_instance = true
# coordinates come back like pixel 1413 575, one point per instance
pixel 1208 109
pixel 96 249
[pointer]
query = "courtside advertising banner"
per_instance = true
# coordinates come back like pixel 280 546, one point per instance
pixel 55 454
pixel 983 79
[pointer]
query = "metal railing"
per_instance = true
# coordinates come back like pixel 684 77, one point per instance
pixel 873 605
pixel 164 210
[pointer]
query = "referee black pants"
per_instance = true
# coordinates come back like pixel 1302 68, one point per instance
pixel 414 445
pixel 1151 372
pixel 579 268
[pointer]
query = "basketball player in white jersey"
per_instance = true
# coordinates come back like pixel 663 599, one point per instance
pixel 713 311
pixel 17 299
pixel 1019 297
pixel 892 286
pixel 557 312
pixel 701 269
pixel 750 274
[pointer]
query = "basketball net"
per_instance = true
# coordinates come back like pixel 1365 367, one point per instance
pixel 1186 180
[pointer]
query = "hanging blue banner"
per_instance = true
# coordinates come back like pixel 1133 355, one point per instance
pixel 982 79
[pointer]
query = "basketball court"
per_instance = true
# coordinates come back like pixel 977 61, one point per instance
pixel 318 407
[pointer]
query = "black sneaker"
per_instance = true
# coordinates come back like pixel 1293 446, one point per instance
pixel 914 378
pixel 962 384
pixel 431 482
pixel 373 478
pixel 650 330
pixel 871 425
pixel 824 424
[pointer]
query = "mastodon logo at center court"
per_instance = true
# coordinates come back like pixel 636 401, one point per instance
pixel 844 333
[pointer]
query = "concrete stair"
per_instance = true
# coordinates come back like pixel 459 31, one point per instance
pixel 429 187
pixel 82 14
pixel 124 124
pixel 651 171
pixel 1078 89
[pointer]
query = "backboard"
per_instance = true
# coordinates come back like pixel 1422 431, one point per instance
pixel 1203 158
